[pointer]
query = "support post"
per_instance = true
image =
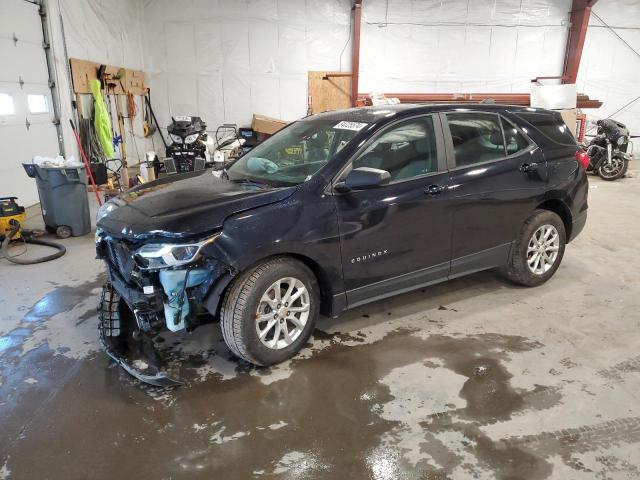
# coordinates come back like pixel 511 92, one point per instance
pixel 580 13
pixel 355 62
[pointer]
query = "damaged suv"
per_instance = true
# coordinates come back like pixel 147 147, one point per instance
pixel 334 211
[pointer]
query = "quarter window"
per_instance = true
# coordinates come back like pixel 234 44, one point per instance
pixel 514 140
pixel 551 127
pixel 6 104
pixel 406 150
pixel 477 137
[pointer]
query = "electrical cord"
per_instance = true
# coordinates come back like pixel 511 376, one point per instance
pixel 15 227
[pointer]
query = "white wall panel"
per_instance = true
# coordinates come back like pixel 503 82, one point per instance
pixel 610 70
pixel 461 45
pixel 256 53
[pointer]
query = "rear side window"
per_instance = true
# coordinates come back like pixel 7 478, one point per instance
pixel 549 126
pixel 477 137
pixel 514 140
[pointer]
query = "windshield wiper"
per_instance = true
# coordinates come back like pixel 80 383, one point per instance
pixel 249 181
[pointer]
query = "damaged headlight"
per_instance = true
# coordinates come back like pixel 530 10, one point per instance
pixel 153 256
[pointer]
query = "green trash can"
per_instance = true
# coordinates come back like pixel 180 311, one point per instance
pixel 63 199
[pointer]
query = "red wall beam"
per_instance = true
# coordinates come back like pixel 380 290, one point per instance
pixel 355 62
pixel 580 13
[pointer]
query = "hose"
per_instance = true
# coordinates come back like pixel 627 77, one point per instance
pixel 15 227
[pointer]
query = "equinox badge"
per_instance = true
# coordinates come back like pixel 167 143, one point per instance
pixel 369 256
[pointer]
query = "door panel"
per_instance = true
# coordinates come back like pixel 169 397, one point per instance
pixel 490 201
pixel 397 236
pixel 392 231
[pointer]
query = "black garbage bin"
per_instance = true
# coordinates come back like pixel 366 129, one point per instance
pixel 63 199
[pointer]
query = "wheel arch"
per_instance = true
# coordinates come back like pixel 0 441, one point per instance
pixel 326 297
pixel 562 210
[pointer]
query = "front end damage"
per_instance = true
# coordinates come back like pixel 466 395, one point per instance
pixel 142 299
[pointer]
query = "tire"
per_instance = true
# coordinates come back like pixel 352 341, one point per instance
pixel 610 176
pixel 518 269
pixel 252 296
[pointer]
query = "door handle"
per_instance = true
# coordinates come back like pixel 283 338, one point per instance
pixel 433 189
pixel 528 167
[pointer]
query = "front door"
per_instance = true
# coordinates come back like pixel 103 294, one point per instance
pixel 398 236
pixel 497 176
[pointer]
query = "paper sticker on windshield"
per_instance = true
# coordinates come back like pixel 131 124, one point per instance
pixel 356 126
pixel 182 118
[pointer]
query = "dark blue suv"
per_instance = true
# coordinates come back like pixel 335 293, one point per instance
pixel 334 211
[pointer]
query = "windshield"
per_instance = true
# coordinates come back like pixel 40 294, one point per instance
pixel 295 154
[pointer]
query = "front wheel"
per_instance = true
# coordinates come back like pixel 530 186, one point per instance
pixel 614 170
pixel 269 312
pixel 538 250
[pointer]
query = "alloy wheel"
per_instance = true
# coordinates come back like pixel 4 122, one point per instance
pixel 611 169
pixel 542 250
pixel 282 313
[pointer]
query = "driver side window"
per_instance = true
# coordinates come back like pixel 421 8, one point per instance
pixel 407 150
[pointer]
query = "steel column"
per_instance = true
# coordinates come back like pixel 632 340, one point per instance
pixel 580 13
pixel 355 62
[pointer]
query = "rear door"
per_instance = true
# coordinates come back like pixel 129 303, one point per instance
pixel 497 176
pixel 397 236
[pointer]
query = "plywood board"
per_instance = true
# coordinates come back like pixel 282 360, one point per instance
pixel 82 71
pixel 329 91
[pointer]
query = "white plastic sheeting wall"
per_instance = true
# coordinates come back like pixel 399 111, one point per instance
pixel 103 31
pixel 227 59
pixel 461 45
pixel 610 70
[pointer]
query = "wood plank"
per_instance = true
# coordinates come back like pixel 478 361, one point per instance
pixel 82 71
pixel 328 92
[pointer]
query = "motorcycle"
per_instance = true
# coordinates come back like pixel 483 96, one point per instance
pixel 188 152
pixel 608 150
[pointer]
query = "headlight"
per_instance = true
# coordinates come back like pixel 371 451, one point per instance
pixel 176 138
pixel 104 210
pixel 154 256
pixel 191 138
pixel 622 140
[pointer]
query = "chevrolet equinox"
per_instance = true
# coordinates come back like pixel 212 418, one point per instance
pixel 334 211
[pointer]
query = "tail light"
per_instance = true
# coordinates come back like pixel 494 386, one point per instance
pixel 582 158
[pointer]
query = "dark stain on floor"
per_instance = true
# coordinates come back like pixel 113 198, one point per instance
pixel 322 419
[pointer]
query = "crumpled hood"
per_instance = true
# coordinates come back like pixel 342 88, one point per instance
pixel 183 206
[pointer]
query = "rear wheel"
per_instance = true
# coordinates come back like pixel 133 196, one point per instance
pixel 269 312
pixel 614 170
pixel 537 252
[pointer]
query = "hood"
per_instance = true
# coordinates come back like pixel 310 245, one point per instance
pixel 183 206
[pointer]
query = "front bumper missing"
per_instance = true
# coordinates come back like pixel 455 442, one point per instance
pixel 124 342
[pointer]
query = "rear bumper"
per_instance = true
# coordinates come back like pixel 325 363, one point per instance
pixel 577 225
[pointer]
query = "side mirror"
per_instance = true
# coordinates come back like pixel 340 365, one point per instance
pixel 363 178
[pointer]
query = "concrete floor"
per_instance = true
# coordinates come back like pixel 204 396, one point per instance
pixel 474 378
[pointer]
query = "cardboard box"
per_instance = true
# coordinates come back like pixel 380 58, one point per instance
pixel 262 124
pixel 570 117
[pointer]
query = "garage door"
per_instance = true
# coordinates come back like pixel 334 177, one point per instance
pixel 26 109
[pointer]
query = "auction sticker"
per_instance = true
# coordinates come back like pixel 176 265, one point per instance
pixel 356 126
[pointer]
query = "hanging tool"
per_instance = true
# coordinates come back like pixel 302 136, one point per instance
pixel 11 218
pixel 148 126
pixel 86 162
pixel 153 115
pixel 123 146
